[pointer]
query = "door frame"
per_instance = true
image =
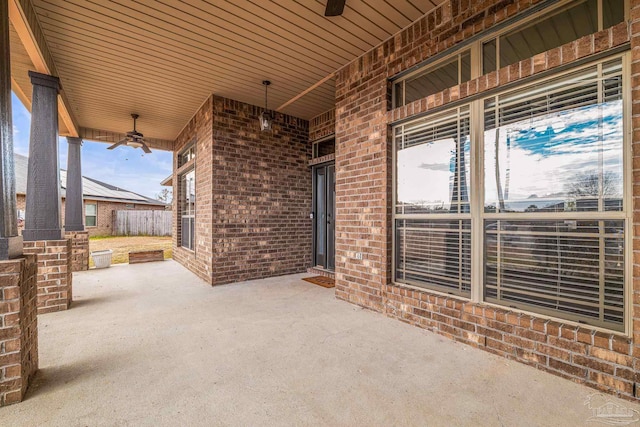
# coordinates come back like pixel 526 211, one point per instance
pixel 314 213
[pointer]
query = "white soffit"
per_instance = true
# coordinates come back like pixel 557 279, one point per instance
pixel 162 59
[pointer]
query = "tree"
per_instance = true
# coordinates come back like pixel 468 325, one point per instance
pixel 594 185
pixel 165 195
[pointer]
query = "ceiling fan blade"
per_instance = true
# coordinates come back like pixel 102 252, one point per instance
pixel 145 148
pixel 117 144
pixel 334 7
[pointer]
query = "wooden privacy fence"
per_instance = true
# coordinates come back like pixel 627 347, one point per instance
pixel 142 223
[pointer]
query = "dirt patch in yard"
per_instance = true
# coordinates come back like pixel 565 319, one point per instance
pixel 121 246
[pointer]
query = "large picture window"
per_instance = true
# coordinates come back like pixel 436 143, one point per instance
pixel 548 206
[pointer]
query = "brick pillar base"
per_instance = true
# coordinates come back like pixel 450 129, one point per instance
pixel 54 273
pixel 79 249
pixel 18 327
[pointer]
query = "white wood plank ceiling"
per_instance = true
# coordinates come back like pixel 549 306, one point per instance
pixel 161 59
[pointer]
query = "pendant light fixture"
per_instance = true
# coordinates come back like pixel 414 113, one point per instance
pixel 265 118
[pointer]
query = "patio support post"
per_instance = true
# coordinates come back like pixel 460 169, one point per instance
pixel 10 242
pixel 73 213
pixel 42 216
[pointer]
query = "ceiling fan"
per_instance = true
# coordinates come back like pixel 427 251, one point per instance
pixel 334 7
pixel 133 139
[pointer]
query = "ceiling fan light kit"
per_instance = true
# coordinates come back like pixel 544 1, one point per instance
pixel 134 144
pixel 134 139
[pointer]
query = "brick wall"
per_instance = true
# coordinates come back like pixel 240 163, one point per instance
pixel 18 328
pixel 634 30
pixel 363 179
pixel 323 125
pixel 200 130
pixel 253 193
pixel 261 194
pixel 54 280
pixel 79 249
pixel 603 360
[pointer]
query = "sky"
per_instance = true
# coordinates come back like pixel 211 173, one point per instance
pixel 548 156
pixel 125 167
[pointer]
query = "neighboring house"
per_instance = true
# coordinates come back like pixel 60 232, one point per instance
pixel 100 199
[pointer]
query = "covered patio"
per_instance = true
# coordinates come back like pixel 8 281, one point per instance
pixel 468 168
pixel 277 351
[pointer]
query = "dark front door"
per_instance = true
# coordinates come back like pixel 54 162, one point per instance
pixel 324 195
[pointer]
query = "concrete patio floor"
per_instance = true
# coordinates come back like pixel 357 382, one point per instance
pixel 151 344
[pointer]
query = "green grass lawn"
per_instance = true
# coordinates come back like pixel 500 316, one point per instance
pixel 122 245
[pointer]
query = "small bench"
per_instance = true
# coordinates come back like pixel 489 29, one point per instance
pixel 137 257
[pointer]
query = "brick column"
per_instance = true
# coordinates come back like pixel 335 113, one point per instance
pixel 54 273
pixel 79 250
pixel 363 167
pixel 18 328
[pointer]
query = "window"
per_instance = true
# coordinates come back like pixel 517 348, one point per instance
pixel 553 149
pixel 187 209
pixel 187 196
pixel 525 39
pixel 188 154
pixel 433 224
pixel 433 79
pixel 91 214
pixel 324 147
pixel 561 26
pixel 545 219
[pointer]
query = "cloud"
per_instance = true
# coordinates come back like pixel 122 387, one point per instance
pixel 126 167
pixel 443 167
pixel 545 162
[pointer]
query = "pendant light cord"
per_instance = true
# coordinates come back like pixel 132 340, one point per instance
pixel 266 84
